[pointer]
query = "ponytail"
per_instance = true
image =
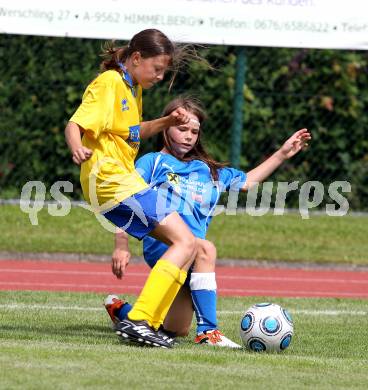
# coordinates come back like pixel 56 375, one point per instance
pixel 112 56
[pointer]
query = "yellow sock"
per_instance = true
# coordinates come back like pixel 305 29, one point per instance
pixel 158 293
pixel 167 301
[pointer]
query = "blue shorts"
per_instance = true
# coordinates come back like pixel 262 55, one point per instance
pixel 138 214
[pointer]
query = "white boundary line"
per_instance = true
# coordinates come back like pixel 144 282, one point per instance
pixel 295 293
pixel 70 285
pixel 67 272
pixel 234 291
pixel 306 312
pixel 219 277
pixel 22 306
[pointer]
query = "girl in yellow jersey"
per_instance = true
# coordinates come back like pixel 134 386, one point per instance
pixel 103 136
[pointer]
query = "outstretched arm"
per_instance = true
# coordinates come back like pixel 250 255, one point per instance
pixel 297 142
pixel 175 118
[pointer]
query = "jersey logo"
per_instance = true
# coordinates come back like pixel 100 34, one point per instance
pixel 172 178
pixel 134 138
pixel 124 105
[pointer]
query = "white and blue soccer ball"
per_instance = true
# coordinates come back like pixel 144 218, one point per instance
pixel 266 327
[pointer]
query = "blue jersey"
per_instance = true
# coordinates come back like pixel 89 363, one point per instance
pixel 188 188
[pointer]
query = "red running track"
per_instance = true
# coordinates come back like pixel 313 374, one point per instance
pixel 232 281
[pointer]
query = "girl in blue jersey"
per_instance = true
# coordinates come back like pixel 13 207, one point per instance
pixel 191 182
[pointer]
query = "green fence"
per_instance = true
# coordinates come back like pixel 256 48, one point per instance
pixel 42 81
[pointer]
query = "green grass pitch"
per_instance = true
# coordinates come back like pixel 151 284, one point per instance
pixel 290 238
pixel 64 341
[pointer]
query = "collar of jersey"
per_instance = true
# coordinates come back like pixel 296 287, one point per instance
pixel 127 78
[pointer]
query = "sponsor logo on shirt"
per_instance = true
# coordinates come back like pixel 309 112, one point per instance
pixel 173 178
pixel 134 138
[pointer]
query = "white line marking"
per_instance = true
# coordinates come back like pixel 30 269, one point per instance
pixel 306 312
pixel 66 272
pixel 261 291
pixel 295 279
pixel 70 285
pixel 22 306
pixel 295 293
pixel 219 277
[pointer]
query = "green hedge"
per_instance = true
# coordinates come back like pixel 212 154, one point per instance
pixel 286 89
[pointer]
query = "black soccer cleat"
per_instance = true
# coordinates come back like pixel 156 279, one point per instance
pixel 168 336
pixel 139 332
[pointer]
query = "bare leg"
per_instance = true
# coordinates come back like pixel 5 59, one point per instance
pixel 179 318
pixel 205 260
pixel 173 231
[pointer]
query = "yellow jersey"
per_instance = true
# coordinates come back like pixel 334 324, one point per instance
pixel 110 114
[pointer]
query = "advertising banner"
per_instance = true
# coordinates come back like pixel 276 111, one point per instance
pixel 337 24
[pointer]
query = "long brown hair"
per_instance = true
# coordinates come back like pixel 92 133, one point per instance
pixel 198 152
pixel 150 43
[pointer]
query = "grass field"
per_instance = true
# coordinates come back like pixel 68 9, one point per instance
pixel 64 341
pixel 320 239
pixel 52 340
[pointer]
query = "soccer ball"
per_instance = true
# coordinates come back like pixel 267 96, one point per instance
pixel 266 327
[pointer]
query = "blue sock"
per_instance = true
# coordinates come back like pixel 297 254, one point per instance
pixel 124 310
pixel 205 309
pixel 204 296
